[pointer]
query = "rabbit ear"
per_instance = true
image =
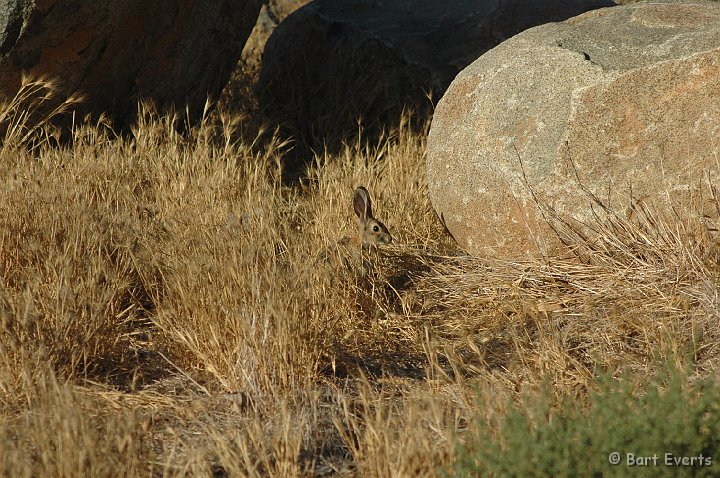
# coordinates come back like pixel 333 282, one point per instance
pixel 361 204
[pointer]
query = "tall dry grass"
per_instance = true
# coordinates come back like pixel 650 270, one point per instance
pixel 163 310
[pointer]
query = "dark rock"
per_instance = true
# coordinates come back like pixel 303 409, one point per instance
pixel 334 61
pixel 176 53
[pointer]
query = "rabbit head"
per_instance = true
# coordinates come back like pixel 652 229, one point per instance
pixel 372 232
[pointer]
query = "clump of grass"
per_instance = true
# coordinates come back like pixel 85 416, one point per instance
pixel 69 244
pixel 27 118
pixel 63 431
pixel 649 429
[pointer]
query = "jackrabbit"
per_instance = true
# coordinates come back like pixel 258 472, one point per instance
pixel 371 233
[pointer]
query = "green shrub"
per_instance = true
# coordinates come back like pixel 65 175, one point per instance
pixel 577 438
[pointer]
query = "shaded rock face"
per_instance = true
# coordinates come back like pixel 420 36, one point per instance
pixel 622 103
pixel 270 16
pixel 334 61
pixel 173 52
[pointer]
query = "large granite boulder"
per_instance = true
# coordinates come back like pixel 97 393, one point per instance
pixel 622 104
pixel 176 53
pixel 334 61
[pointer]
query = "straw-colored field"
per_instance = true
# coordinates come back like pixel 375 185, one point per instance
pixel 164 311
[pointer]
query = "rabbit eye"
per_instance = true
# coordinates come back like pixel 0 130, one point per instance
pixel 375 228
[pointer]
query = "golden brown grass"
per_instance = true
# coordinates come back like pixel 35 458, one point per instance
pixel 163 312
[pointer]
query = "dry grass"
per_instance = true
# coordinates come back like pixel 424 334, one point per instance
pixel 163 312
